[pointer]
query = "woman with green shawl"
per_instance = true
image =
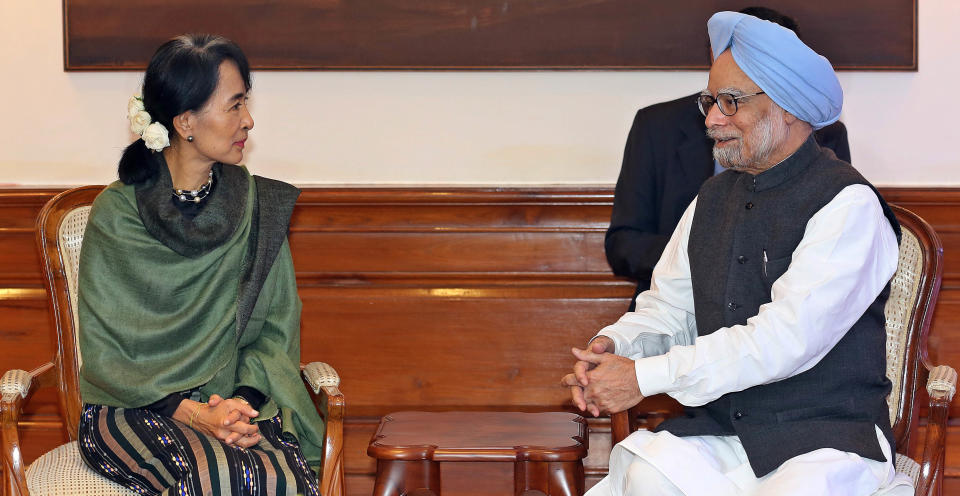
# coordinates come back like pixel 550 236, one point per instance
pixel 188 305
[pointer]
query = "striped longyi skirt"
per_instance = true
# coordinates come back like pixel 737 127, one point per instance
pixel 153 454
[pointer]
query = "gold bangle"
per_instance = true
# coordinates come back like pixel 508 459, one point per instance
pixel 195 413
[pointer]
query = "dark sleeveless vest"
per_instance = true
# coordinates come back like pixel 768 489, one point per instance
pixel 739 218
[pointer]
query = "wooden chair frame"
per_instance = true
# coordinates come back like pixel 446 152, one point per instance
pixel 62 372
pixel 916 372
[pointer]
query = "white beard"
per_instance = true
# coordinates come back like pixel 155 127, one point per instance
pixel 765 137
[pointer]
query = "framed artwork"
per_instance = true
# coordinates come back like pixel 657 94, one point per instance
pixel 474 34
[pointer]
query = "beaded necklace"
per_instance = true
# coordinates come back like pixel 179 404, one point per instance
pixel 197 195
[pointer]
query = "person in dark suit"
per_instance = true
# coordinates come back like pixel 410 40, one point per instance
pixel 666 159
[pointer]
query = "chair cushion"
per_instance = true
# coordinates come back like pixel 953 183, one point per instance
pixel 61 472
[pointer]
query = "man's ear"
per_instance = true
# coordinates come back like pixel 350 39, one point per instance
pixel 184 123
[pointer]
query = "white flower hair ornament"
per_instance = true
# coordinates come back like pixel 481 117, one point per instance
pixel 154 135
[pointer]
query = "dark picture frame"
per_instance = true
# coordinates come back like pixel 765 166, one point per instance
pixel 474 34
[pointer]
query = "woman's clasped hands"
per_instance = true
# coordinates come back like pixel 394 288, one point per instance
pixel 229 420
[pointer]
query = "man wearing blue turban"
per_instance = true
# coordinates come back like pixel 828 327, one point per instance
pixel 666 159
pixel 765 313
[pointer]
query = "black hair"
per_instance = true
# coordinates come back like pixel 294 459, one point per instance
pixel 773 16
pixel 182 75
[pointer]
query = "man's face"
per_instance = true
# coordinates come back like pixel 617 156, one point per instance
pixel 751 139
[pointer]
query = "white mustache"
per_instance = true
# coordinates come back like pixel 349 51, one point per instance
pixel 717 135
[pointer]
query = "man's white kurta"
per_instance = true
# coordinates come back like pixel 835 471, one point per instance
pixel 848 254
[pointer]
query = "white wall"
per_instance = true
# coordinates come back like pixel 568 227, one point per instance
pixel 495 128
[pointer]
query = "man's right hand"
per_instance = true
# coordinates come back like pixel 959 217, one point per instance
pixel 578 379
pixel 599 345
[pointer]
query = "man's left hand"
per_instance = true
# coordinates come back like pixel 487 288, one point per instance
pixel 612 383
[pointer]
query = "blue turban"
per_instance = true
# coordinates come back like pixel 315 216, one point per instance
pixel 798 79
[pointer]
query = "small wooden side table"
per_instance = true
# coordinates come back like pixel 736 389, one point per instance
pixel 547 449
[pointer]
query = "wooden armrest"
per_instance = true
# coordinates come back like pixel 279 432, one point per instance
pixel 620 426
pixel 323 382
pixel 15 387
pixel 941 386
pixel 624 423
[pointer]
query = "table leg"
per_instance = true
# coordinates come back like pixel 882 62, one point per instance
pixel 549 478
pixel 397 478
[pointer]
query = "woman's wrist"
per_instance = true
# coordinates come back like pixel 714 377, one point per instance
pixel 195 413
pixel 187 411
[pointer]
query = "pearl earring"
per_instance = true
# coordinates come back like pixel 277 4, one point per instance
pixel 190 139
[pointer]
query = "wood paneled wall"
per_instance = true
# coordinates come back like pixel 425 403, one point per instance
pixel 435 299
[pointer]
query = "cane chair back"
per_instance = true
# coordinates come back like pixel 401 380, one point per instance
pixel 909 309
pixel 60 236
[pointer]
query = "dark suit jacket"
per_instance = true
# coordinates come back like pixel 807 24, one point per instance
pixel 666 159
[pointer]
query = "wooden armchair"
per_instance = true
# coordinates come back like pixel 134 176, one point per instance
pixel 909 310
pixel 61 471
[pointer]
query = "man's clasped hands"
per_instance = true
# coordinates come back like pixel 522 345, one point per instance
pixel 602 382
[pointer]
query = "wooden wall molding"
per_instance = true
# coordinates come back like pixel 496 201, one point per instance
pixel 439 298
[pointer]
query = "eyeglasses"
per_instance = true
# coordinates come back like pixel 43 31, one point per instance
pixel 726 101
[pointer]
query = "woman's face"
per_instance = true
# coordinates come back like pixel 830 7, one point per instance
pixel 220 128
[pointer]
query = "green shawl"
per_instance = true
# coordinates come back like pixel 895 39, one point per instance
pixel 169 304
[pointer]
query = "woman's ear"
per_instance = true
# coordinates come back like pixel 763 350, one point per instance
pixel 183 124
